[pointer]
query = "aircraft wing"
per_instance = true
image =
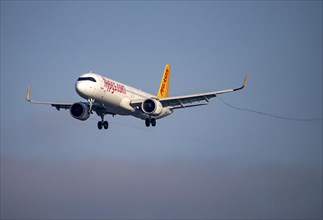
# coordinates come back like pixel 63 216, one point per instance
pixel 57 105
pixel 176 102
pixel 63 105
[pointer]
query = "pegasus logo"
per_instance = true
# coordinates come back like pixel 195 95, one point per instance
pixel 113 87
pixel 162 88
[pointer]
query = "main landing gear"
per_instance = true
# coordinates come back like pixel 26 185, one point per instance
pixel 150 121
pixel 103 124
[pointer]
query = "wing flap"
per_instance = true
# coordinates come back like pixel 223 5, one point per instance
pixel 59 106
pixel 187 106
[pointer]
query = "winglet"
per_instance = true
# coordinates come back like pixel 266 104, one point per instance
pixel 164 83
pixel 245 80
pixel 28 94
pixel 244 83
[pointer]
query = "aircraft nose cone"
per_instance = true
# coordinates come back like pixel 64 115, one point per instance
pixel 80 89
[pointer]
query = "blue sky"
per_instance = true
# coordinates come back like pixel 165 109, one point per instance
pixel 206 162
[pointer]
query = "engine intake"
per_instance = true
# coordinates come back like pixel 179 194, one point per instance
pixel 80 111
pixel 152 107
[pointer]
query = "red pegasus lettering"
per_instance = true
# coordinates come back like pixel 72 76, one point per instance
pixel 164 82
pixel 113 87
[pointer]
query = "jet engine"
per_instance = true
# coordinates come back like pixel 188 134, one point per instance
pixel 80 111
pixel 152 107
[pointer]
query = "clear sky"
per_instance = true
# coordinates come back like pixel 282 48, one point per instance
pixel 206 162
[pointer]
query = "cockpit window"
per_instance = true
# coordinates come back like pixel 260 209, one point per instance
pixel 86 79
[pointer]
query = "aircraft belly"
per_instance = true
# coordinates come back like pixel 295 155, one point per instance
pixel 113 102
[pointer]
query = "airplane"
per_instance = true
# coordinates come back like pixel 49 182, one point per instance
pixel 108 97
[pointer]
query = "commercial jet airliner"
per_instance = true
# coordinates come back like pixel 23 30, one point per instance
pixel 109 97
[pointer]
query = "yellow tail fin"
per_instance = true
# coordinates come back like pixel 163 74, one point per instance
pixel 164 83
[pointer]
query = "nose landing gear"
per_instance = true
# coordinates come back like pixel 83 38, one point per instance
pixel 91 101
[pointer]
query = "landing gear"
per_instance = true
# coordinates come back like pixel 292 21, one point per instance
pixel 147 122
pixel 91 101
pixel 151 121
pixel 100 125
pixel 103 124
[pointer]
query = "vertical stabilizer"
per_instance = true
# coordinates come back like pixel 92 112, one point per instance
pixel 164 83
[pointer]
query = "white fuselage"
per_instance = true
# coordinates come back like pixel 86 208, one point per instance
pixel 115 97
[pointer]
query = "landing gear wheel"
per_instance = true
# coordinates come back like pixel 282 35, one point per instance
pixel 100 124
pixel 147 122
pixel 153 122
pixel 150 121
pixel 105 125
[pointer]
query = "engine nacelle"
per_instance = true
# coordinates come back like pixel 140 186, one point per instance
pixel 80 111
pixel 152 107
